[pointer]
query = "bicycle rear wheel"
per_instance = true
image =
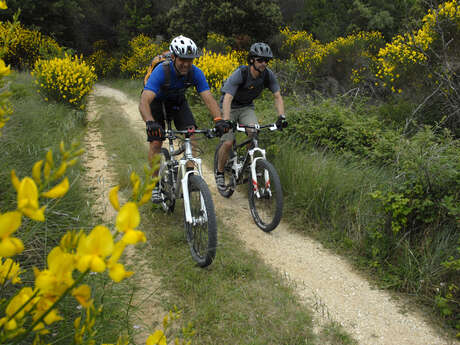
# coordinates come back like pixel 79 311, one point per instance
pixel 228 175
pixel 166 183
pixel 267 208
pixel 201 232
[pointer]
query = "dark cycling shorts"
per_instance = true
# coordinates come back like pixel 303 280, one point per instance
pixel 179 113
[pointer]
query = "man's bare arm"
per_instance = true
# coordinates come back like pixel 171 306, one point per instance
pixel 279 104
pixel 147 97
pixel 211 103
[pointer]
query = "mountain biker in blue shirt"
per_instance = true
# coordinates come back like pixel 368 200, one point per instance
pixel 239 91
pixel 166 88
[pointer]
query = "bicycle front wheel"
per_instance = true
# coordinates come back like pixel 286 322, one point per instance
pixel 265 196
pixel 201 231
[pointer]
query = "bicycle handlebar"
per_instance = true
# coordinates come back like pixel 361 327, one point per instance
pixel 171 134
pixel 210 133
pixel 242 128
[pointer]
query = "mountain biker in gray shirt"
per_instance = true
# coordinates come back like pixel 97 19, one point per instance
pixel 239 91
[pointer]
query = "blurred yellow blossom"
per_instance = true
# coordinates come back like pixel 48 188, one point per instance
pixel 93 249
pixel 9 223
pixel 9 270
pixel 127 220
pixel 58 190
pixel 28 200
pixel 157 338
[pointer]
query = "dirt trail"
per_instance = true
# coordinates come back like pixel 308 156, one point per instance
pixel 145 312
pixel 323 280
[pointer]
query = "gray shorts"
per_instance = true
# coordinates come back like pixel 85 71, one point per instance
pixel 244 116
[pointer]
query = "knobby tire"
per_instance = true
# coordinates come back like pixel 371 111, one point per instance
pixel 266 210
pixel 202 238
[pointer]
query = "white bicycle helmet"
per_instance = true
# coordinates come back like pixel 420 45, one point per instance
pixel 184 47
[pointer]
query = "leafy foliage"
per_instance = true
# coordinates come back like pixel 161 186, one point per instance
pixel 329 20
pixel 230 19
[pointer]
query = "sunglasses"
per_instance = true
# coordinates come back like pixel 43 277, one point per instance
pixel 263 59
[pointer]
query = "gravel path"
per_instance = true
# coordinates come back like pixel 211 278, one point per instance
pixel 145 312
pixel 323 280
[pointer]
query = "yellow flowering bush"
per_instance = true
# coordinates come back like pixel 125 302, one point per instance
pixel 5 37
pixel 66 80
pixel 422 52
pixel 346 59
pixel 218 43
pixel 217 67
pixel 143 50
pixel 24 47
pixel 296 42
pixel 5 105
pixel 104 64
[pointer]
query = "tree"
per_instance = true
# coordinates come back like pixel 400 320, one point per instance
pixel 327 20
pixel 58 19
pixel 143 17
pixel 259 19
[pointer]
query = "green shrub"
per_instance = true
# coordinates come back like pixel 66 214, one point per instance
pixel 421 210
pixel 330 126
pixel 427 185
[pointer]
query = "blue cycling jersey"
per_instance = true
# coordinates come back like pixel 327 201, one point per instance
pixel 157 79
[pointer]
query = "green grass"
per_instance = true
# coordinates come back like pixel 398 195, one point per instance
pixel 327 190
pixel 236 300
pixel 34 128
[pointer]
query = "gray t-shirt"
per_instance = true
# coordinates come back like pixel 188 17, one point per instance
pixel 243 95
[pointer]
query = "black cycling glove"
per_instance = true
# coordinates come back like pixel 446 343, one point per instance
pixel 222 126
pixel 154 131
pixel 281 122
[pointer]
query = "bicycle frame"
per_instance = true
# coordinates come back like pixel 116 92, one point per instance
pixel 252 156
pixel 180 182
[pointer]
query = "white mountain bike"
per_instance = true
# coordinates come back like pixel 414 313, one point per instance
pixel 264 187
pixel 176 182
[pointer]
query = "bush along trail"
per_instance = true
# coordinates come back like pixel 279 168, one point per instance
pixel 256 275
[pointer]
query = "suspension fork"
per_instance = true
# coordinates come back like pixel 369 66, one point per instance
pixel 185 192
pixel 255 186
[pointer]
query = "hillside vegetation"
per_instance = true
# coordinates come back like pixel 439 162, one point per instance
pixel 371 157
